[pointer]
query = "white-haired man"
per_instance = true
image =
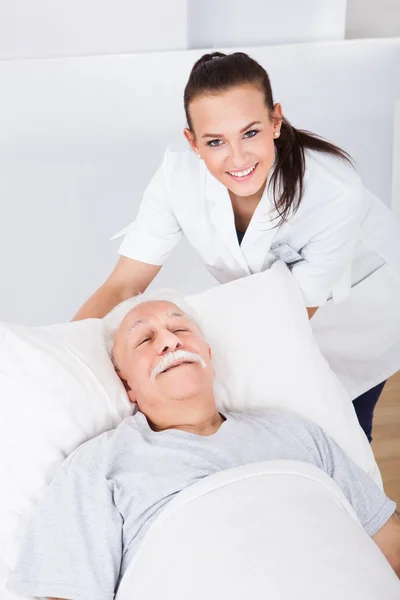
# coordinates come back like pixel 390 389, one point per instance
pixel 108 492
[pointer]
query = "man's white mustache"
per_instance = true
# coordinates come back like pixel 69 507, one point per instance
pixel 172 357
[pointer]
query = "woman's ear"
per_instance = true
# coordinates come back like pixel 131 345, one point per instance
pixel 277 113
pixel 191 139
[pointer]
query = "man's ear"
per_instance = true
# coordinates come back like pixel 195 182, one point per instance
pixel 210 355
pixel 131 396
pixel 124 381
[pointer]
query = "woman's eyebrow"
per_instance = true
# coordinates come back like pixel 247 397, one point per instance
pixel 219 135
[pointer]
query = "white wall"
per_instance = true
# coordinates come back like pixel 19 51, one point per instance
pixel 215 23
pixel 81 137
pixel 373 18
pixel 50 28
pixel 47 28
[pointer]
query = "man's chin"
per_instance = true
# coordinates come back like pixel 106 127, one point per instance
pixel 182 390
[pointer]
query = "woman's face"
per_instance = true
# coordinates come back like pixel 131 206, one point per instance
pixel 234 134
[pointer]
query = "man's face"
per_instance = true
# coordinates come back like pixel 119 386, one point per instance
pixel 162 356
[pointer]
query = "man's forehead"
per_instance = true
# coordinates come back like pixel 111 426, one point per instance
pixel 145 312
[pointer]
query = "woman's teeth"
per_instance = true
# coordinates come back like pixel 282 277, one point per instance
pixel 243 173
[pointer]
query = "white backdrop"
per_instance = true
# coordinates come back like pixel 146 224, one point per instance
pixel 372 18
pixel 81 137
pixel 49 28
pixel 43 28
pixel 214 23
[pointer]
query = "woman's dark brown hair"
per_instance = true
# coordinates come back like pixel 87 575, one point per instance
pixel 218 72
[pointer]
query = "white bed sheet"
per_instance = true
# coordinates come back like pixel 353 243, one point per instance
pixel 277 529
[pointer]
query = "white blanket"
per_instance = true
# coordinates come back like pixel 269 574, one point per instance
pixel 278 529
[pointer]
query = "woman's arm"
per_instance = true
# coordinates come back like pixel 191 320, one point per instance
pixel 311 311
pixel 130 277
pixel 325 271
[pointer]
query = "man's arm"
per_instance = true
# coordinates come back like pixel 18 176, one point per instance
pixel 73 542
pixel 371 505
pixel 388 541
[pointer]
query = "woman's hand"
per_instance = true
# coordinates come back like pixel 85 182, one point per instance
pixel 311 311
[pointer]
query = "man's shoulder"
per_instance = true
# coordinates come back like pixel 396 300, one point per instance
pixel 97 451
pixel 89 452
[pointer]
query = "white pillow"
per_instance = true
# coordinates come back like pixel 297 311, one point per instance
pixel 265 356
pixel 58 389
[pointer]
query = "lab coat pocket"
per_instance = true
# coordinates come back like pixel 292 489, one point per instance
pixel 375 292
pixel 360 337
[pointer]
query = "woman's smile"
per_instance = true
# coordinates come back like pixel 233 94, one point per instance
pixel 244 175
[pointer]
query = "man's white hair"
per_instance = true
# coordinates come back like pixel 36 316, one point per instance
pixel 114 318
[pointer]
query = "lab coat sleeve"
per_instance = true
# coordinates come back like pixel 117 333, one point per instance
pixel 155 232
pixel 326 271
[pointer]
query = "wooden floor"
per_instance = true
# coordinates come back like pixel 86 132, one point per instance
pixel 386 437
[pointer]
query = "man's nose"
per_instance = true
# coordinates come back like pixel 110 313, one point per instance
pixel 169 342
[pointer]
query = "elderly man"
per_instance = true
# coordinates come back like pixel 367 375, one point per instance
pixel 109 491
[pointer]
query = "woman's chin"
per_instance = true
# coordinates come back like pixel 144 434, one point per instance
pixel 247 189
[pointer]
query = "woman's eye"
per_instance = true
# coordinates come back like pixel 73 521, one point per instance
pixel 180 330
pixel 253 132
pixel 248 134
pixel 213 143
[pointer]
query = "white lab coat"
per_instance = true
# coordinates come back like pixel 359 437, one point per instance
pixel 348 238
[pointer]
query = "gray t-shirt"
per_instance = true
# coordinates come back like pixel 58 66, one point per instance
pixel 107 493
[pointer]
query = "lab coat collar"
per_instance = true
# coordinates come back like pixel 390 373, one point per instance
pixel 223 218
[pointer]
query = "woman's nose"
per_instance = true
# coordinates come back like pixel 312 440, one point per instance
pixel 238 157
